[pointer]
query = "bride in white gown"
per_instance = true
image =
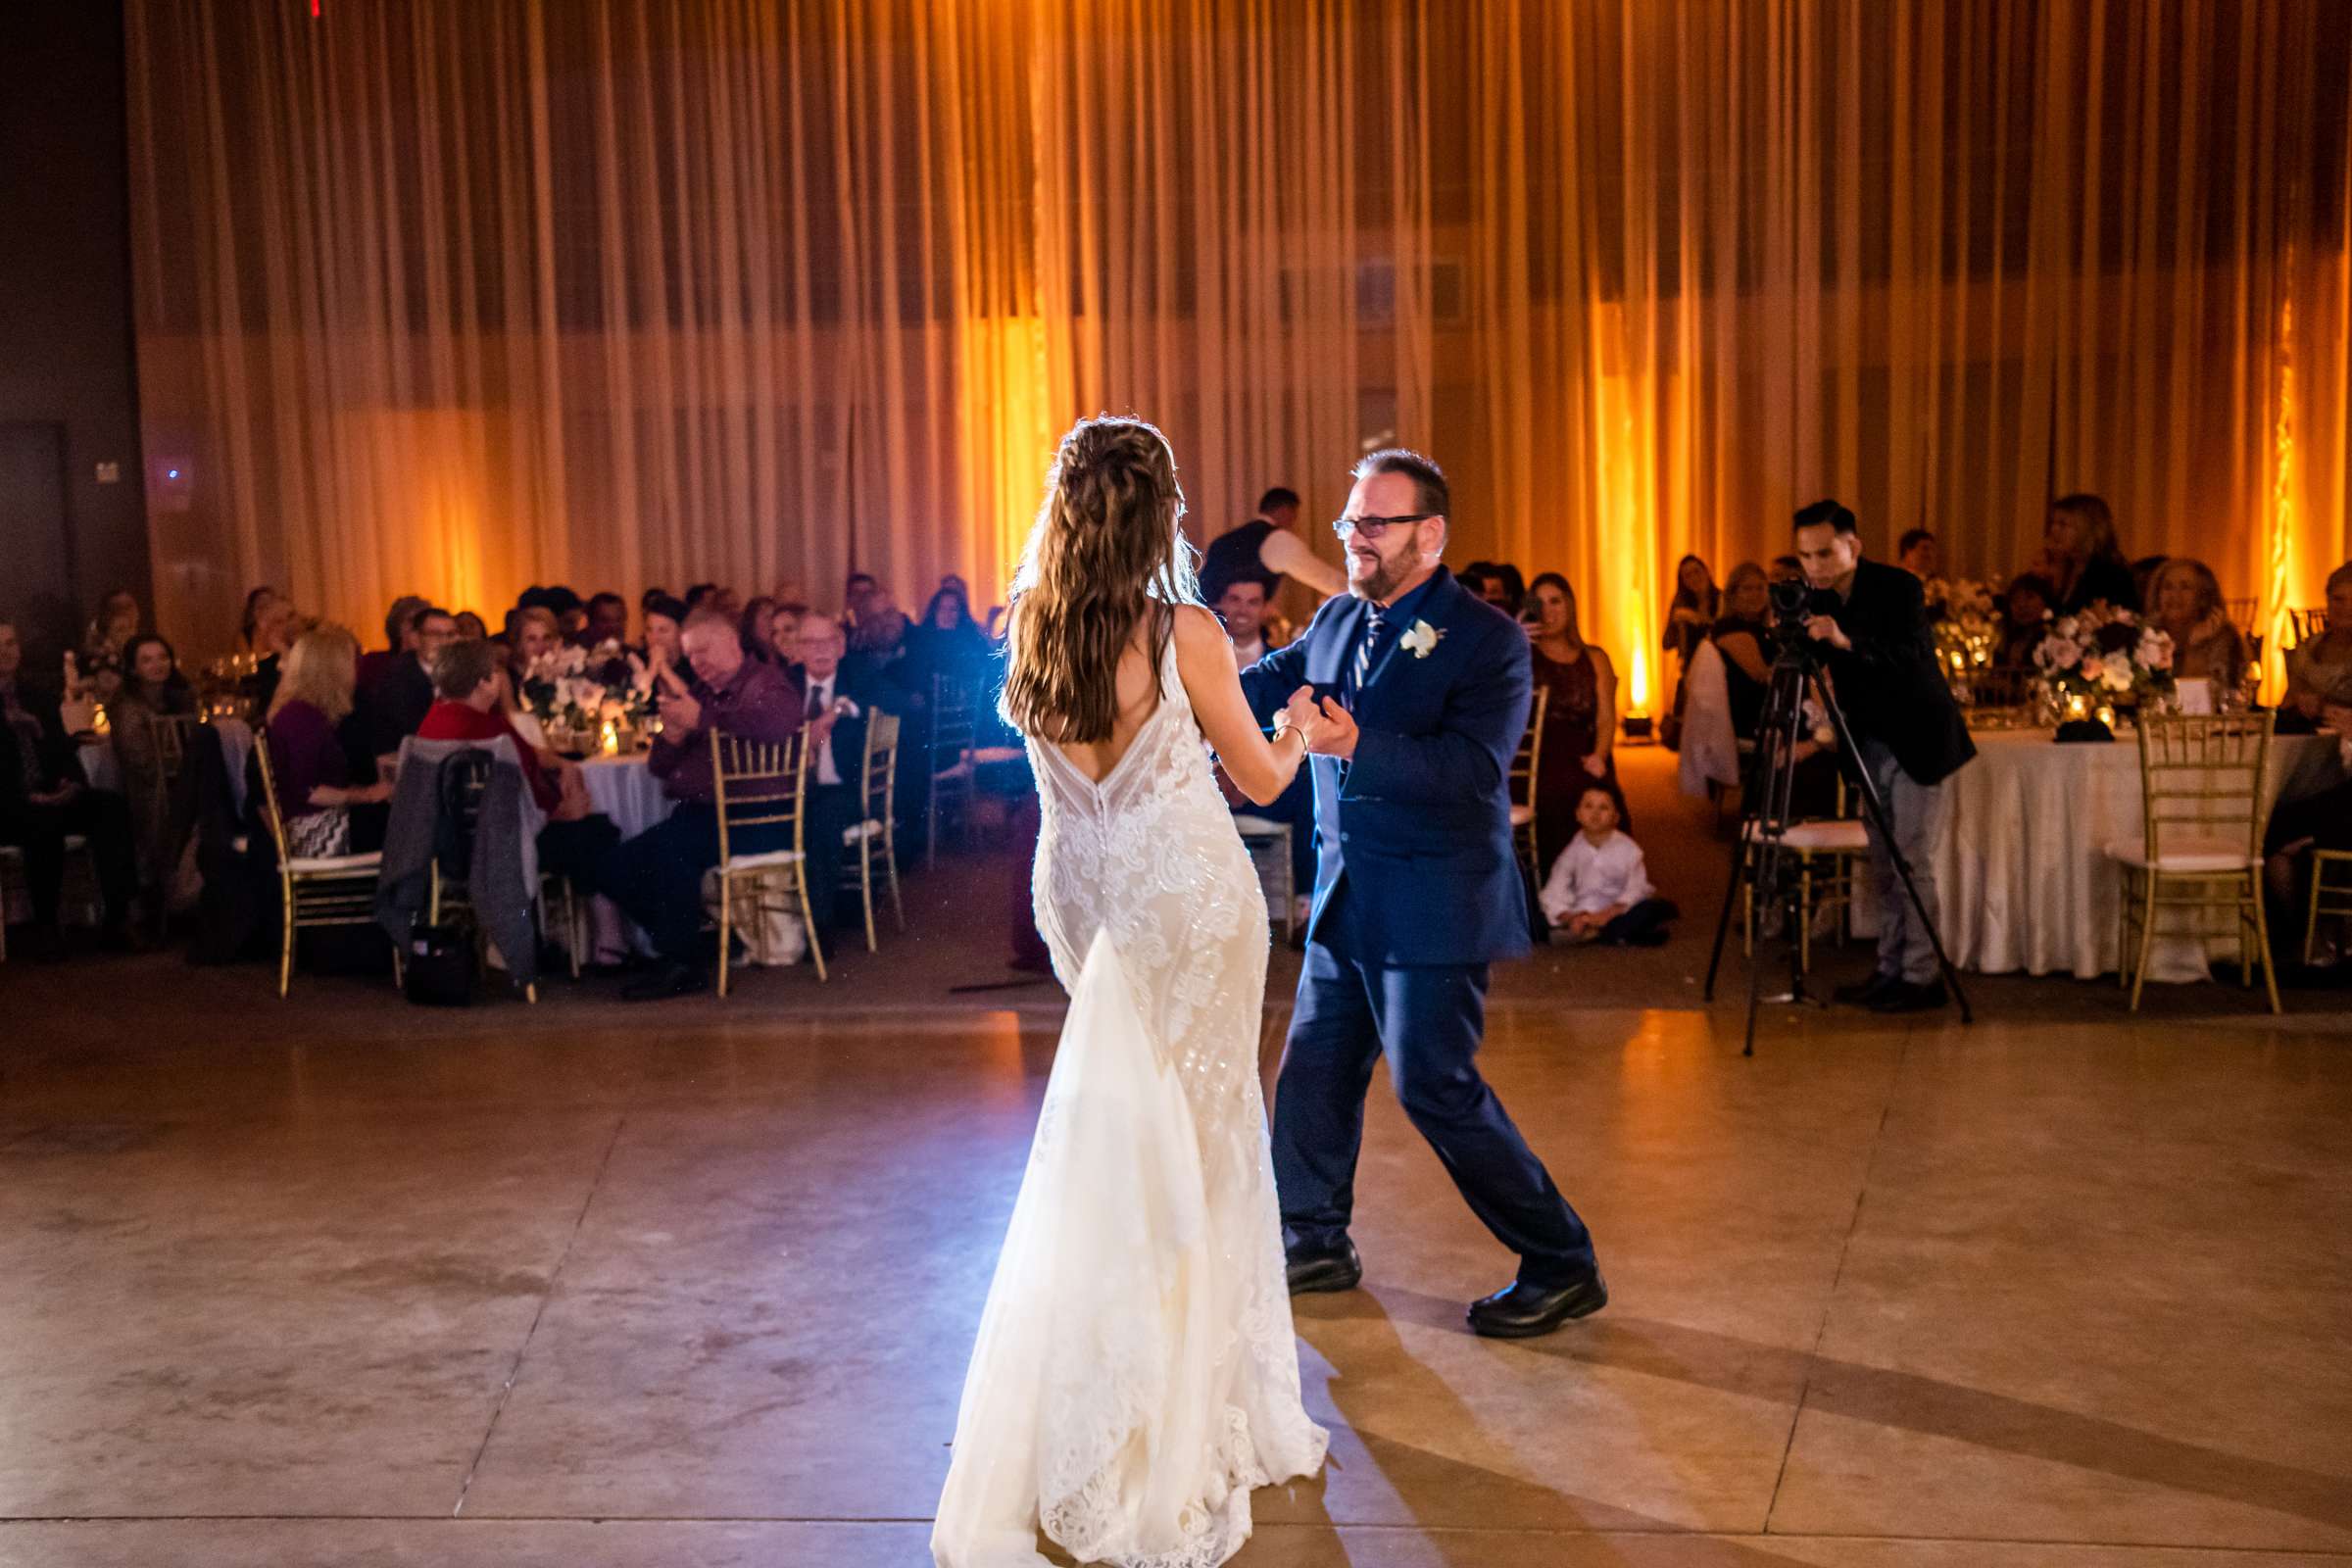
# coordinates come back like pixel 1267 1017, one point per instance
pixel 1135 1375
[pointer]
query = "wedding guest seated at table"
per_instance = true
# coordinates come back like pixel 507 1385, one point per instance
pixel 946 643
pixel 608 620
pixel 396 704
pixel 471 627
pixel 665 626
pixel 467 708
pixel 2319 669
pixel 571 611
pixel 103 643
pixel 267 629
pixel 162 810
pixel 838 692
pixel 400 639
pixel 2025 622
pixel 2081 558
pixel 536 633
pixel 327 807
pixel 1599 889
pixel 1918 554
pixel 784 631
pixel 876 626
pixel 2321 821
pixel 757 628
pixel 44 798
pixel 2189 609
pixel 657 877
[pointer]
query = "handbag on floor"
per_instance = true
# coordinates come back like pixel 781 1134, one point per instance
pixel 440 965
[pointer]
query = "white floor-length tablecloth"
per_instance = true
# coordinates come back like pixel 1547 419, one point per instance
pixel 2022 872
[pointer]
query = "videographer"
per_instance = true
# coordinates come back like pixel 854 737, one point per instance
pixel 1869 623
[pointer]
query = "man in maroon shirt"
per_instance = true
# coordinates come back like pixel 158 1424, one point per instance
pixel 657 877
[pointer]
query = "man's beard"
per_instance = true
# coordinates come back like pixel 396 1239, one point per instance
pixel 1387 576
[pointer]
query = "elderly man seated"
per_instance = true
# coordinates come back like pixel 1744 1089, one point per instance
pixel 657 877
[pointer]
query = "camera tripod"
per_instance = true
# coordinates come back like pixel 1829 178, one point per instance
pixel 1767 813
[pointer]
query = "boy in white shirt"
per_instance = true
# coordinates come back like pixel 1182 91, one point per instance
pixel 1600 890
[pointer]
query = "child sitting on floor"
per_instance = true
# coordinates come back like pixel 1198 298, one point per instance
pixel 1599 891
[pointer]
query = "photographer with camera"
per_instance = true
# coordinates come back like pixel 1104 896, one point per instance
pixel 1869 624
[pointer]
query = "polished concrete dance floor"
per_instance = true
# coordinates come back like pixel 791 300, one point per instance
pixel 340 1281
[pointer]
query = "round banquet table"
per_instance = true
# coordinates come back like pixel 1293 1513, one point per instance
pixel 2021 869
pixel 625 790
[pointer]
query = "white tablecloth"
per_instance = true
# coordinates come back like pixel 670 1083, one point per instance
pixel 2022 870
pixel 625 790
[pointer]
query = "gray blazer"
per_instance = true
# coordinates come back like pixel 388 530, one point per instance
pixel 502 885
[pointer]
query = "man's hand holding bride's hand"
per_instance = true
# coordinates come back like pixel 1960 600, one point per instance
pixel 1301 715
pixel 1333 734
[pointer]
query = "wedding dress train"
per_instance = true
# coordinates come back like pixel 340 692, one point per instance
pixel 1136 1376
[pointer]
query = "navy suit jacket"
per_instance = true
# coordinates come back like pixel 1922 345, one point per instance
pixel 1420 825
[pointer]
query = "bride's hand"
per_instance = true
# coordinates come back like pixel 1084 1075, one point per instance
pixel 1301 715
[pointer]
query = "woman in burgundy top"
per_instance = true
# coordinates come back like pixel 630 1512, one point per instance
pixel 309 758
pixel 1579 724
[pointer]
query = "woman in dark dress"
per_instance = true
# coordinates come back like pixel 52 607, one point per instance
pixel 1580 723
pixel 947 642
pixel 162 810
pixel 2082 560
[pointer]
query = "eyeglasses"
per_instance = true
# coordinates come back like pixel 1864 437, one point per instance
pixel 1373 527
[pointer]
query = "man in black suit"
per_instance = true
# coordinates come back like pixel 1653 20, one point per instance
pixel 1872 621
pixel 396 701
pixel 838 694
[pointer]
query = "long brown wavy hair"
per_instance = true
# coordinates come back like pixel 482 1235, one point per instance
pixel 1107 549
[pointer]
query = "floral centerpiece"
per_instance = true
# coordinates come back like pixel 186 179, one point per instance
pixel 2102 657
pixel 588 692
pixel 1967 629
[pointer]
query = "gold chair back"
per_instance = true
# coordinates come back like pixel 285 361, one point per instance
pixel 271 816
pixel 1527 766
pixel 761 784
pixel 169 734
pixel 745 777
pixel 2201 780
pixel 2302 625
pixel 2241 614
pixel 879 792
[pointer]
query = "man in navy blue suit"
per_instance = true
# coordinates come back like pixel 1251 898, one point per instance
pixel 1425 693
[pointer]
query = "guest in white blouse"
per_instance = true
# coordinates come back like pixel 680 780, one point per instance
pixel 1600 887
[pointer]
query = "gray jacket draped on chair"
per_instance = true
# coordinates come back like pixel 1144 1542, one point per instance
pixel 502 885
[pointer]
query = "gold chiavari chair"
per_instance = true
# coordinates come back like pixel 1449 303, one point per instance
pixel 314 892
pixel 2328 895
pixel 1525 771
pixel 2302 625
pixel 2241 614
pixel 873 839
pixel 761 784
pixel 1828 852
pixel 2200 846
pixel 955 728
pixel 472 771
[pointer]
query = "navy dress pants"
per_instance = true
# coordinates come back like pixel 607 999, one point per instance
pixel 1426 1020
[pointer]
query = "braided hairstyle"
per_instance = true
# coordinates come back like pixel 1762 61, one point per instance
pixel 1107 549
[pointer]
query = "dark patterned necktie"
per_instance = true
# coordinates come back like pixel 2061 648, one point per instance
pixel 1363 647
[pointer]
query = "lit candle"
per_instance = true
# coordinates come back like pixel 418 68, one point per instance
pixel 2107 716
pixel 2075 706
pixel 611 739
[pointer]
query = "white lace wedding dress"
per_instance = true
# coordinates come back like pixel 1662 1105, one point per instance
pixel 1135 1375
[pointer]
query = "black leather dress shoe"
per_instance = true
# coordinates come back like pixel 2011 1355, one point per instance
pixel 1868 991
pixel 1524 1311
pixel 1905 997
pixel 1337 1269
pixel 669 980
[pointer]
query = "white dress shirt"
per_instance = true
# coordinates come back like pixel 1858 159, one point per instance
pixel 819 699
pixel 1590 877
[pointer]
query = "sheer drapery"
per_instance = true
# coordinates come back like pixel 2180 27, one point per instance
pixel 458 297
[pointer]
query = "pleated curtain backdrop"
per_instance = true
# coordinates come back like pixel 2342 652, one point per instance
pixel 456 297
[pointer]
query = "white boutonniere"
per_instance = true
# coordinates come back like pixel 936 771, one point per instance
pixel 1421 638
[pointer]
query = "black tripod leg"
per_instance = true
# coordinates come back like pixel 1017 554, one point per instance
pixel 1731 893
pixel 1877 810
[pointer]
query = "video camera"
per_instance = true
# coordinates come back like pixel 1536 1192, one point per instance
pixel 1791 610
